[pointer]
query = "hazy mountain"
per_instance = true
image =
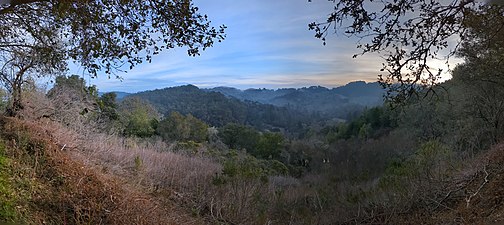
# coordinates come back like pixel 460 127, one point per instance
pixel 119 94
pixel 330 102
pixel 287 108
pixel 257 95
pixel 360 92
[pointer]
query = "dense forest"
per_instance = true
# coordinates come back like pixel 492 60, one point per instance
pixel 419 151
pixel 291 110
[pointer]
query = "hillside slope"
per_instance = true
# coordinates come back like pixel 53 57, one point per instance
pixel 474 195
pixel 41 182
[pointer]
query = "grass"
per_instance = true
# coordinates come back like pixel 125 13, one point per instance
pixel 17 183
pixel 84 176
pixel 7 197
pixel 56 174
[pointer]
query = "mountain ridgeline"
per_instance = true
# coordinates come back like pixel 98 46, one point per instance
pixel 328 102
pixel 290 109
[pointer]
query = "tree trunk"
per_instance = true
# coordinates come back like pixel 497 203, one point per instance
pixel 16 104
pixel 17 84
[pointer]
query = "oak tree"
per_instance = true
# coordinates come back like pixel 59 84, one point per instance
pixel 39 37
pixel 408 34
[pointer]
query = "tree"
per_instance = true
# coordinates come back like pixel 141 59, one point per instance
pixel 138 117
pixel 108 106
pixel 140 124
pixel 173 127
pixel 177 127
pixel 483 47
pixel 108 116
pixel 198 129
pixel 38 37
pixel 72 101
pixel 408 33
pixel 482 72
pixel 239 137
pixel 28 45
pixel 270 146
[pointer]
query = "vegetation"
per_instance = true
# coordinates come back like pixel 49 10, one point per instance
pixel 189 156
pixel 38 37
pixel 327 103
pixel 7 210
pixel 408 34
pixel 182 128
pixel 407 157
pixel 217 110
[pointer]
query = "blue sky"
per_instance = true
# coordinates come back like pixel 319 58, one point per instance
pixel 268 45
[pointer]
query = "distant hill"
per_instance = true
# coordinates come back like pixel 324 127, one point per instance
pixel 329 102
pixel 286 108
pixel 120 95
pixel 362 93
pixel 218 110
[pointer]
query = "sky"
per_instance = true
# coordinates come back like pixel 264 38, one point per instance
pixel 268 45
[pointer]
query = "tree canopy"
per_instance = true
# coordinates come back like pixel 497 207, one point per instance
pixel 408 34
pixel 39 37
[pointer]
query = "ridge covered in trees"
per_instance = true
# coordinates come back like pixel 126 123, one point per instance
pixel 282 109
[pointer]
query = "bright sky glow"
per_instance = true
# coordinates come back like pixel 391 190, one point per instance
pixel 268 45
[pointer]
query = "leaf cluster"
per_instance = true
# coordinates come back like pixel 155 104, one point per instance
pixel 105 35
pixel 408 35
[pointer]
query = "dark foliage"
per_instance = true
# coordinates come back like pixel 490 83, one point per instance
pixel 218 110
pixel 408 34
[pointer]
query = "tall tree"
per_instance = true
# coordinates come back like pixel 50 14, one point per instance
pixel 28 45
pixel 482 73
pixel 38 37
pixel 72 100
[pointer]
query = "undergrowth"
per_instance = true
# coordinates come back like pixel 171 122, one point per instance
pixel 7 197
pixel 41 184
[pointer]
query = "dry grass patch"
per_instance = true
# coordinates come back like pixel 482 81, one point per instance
pixel 66 191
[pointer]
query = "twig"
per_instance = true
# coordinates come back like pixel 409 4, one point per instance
pixel 440 203
pixel 445 197
pixel 468 199
pixel 36 163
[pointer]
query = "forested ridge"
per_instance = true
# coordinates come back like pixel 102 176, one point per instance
pixel 291 110
pixel 334 102
pixel 218 110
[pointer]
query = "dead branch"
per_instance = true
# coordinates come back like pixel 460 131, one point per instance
pixel 440 202
pixel 468 199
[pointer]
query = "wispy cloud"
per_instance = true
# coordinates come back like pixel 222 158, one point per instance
pixel 268 45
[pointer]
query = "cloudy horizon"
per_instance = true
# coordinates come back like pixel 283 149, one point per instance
pixel 268 45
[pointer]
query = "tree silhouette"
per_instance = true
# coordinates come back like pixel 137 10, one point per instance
pixel 38 37
pixel 408 34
